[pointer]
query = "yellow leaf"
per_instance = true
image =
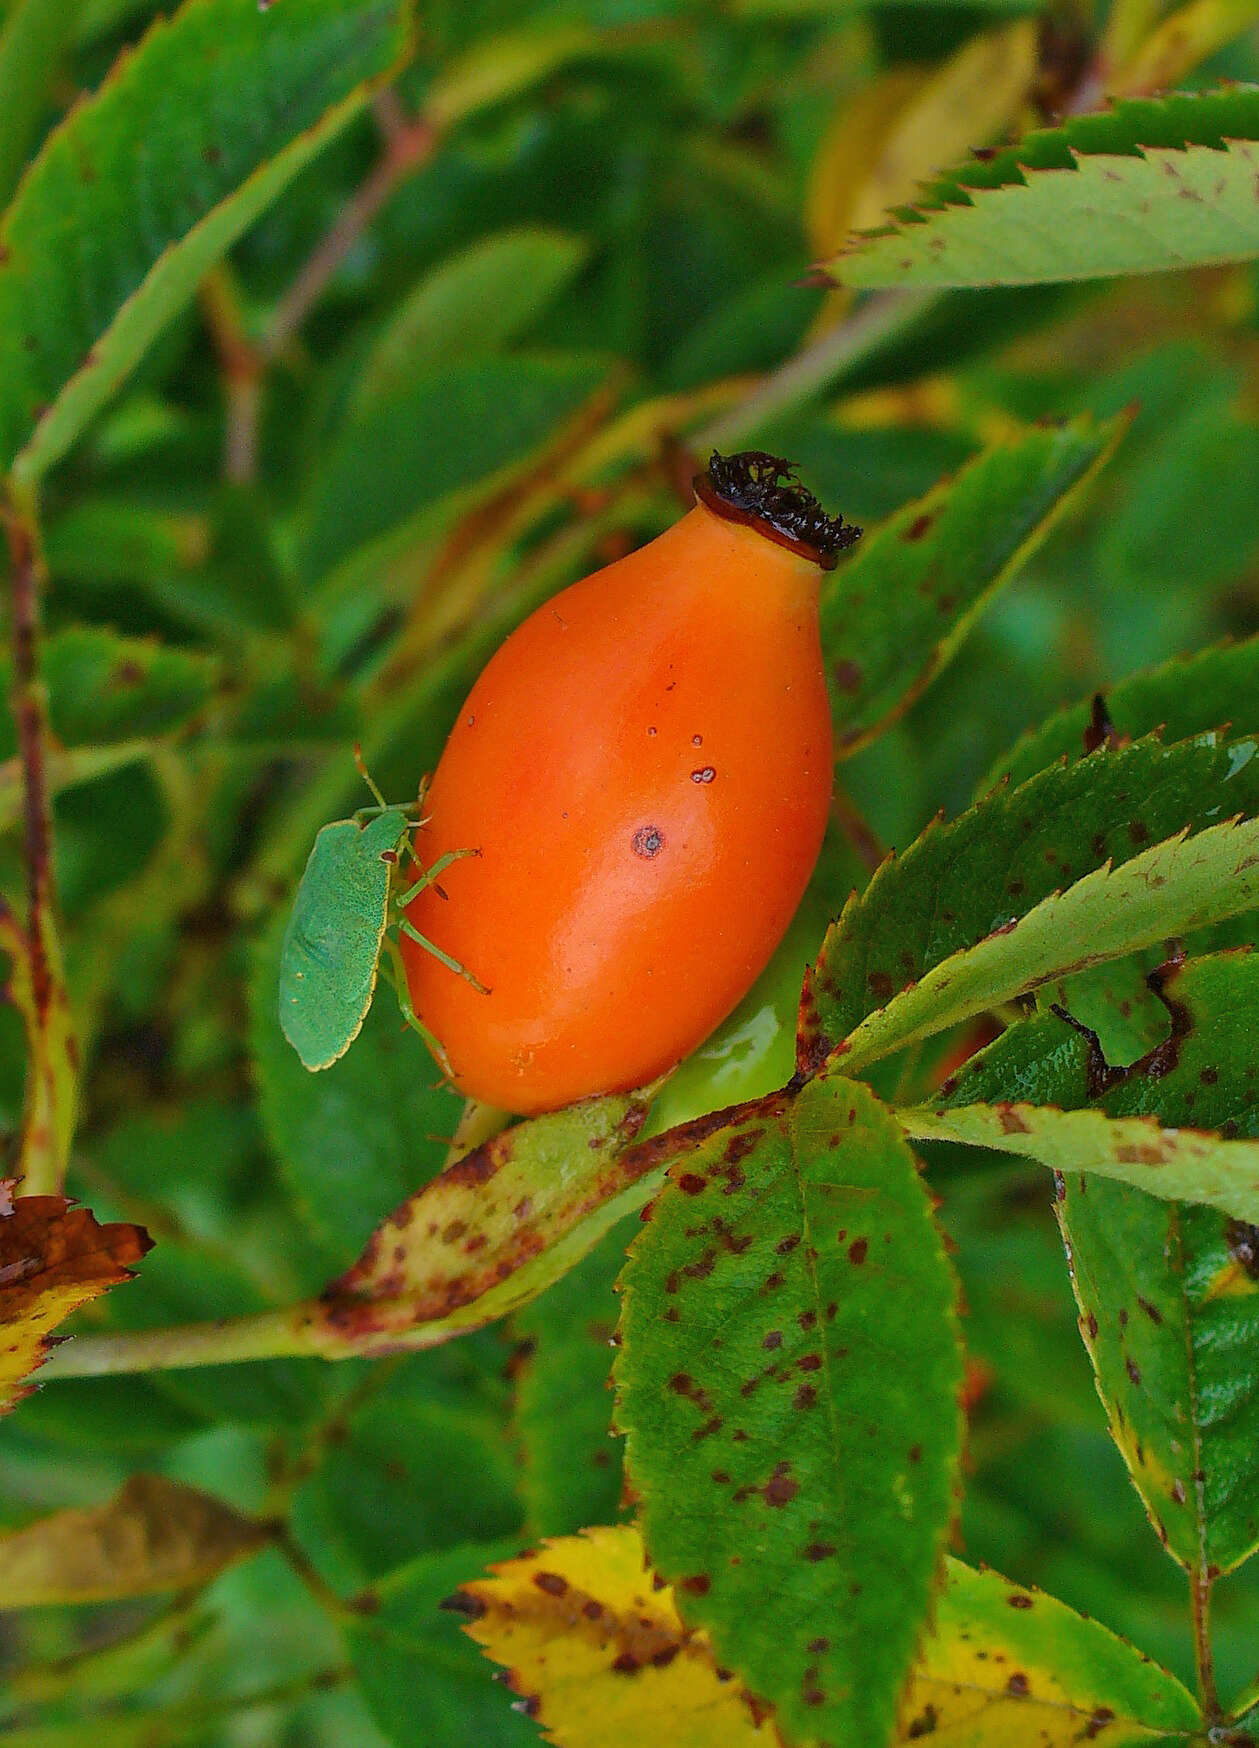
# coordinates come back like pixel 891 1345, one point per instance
pixel 1005 1664
pixel 154 1535
pixel 601 1659
pixel 899 131
pixel 1180 43
pixel 851 152
pixel 598 1653
pixel 53 1258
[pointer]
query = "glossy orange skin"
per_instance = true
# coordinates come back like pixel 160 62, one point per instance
pixel 645 767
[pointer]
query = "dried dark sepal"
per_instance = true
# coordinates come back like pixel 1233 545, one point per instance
pixel 763 491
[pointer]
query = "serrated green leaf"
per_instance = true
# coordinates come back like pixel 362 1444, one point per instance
pixel 355 1140
pixel 894 613
pixel 1145 187
pixel 105 689
pixel 1006 1664
pixel 1033 883
pixel 438 431
pixel 475 302
pixel 1168 1293
pixel 1216 689
pixel 1174 1163
pixel 788 1384
pixel 328 959
pixel 144 186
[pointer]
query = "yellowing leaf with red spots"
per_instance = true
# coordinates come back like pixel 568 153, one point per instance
pixel 53 1258
pixel 595 1649
pixel 599 1656
pixel 1006 1665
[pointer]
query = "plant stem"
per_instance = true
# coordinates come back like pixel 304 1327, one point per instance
pixel 811 372
pixel 1200 1600
pixel 228 1340
pixel 37 984
pixel 242 366
pixel 408 143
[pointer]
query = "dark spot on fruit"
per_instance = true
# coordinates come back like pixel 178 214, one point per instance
pixel 924 1724
pixel 1152 1311
pixel 461 1603
pixel 819 1551
pixel 847 676
pixel 691 1184
pixel 551 1582
pixel 1133 1370
pixel 805 1397
pixel 1018 1600
pixel 1018 1686
pixel 1098 1722
pixel 857 1251
pixel 788 1244
pixel 1090 1323
pixel 626 1664
pixel 811 1362
pixel 919 526
pixel 648 841
pixel 882 985
pixel 773 1339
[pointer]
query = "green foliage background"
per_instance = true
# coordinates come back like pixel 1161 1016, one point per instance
pixel 275 539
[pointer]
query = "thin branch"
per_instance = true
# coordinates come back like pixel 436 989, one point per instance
pixel 407 145
pixel 37 984
pixel 1200 1599
pixel 811 372
pixel 242 366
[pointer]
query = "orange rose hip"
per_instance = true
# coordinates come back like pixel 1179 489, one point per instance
pixel 644 770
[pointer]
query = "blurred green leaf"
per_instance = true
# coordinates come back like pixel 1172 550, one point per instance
pixel 408 1471
pixel 103 688
pixel 239 101
pixel 34 37
pixel 561 1370
pixel 474 302
pixel 437 432
pixel 356 1140
pixel 426 1684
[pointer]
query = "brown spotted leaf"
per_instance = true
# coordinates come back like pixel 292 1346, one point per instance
pixel 1080 864
pixel 1006 1665
pixel 154 1535
pixel 494 1229
pixel 53 1258
pixel 598 1653
pixel 789 1382
pixel 895 613
pixel 1168 1292
pixel 594 1646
